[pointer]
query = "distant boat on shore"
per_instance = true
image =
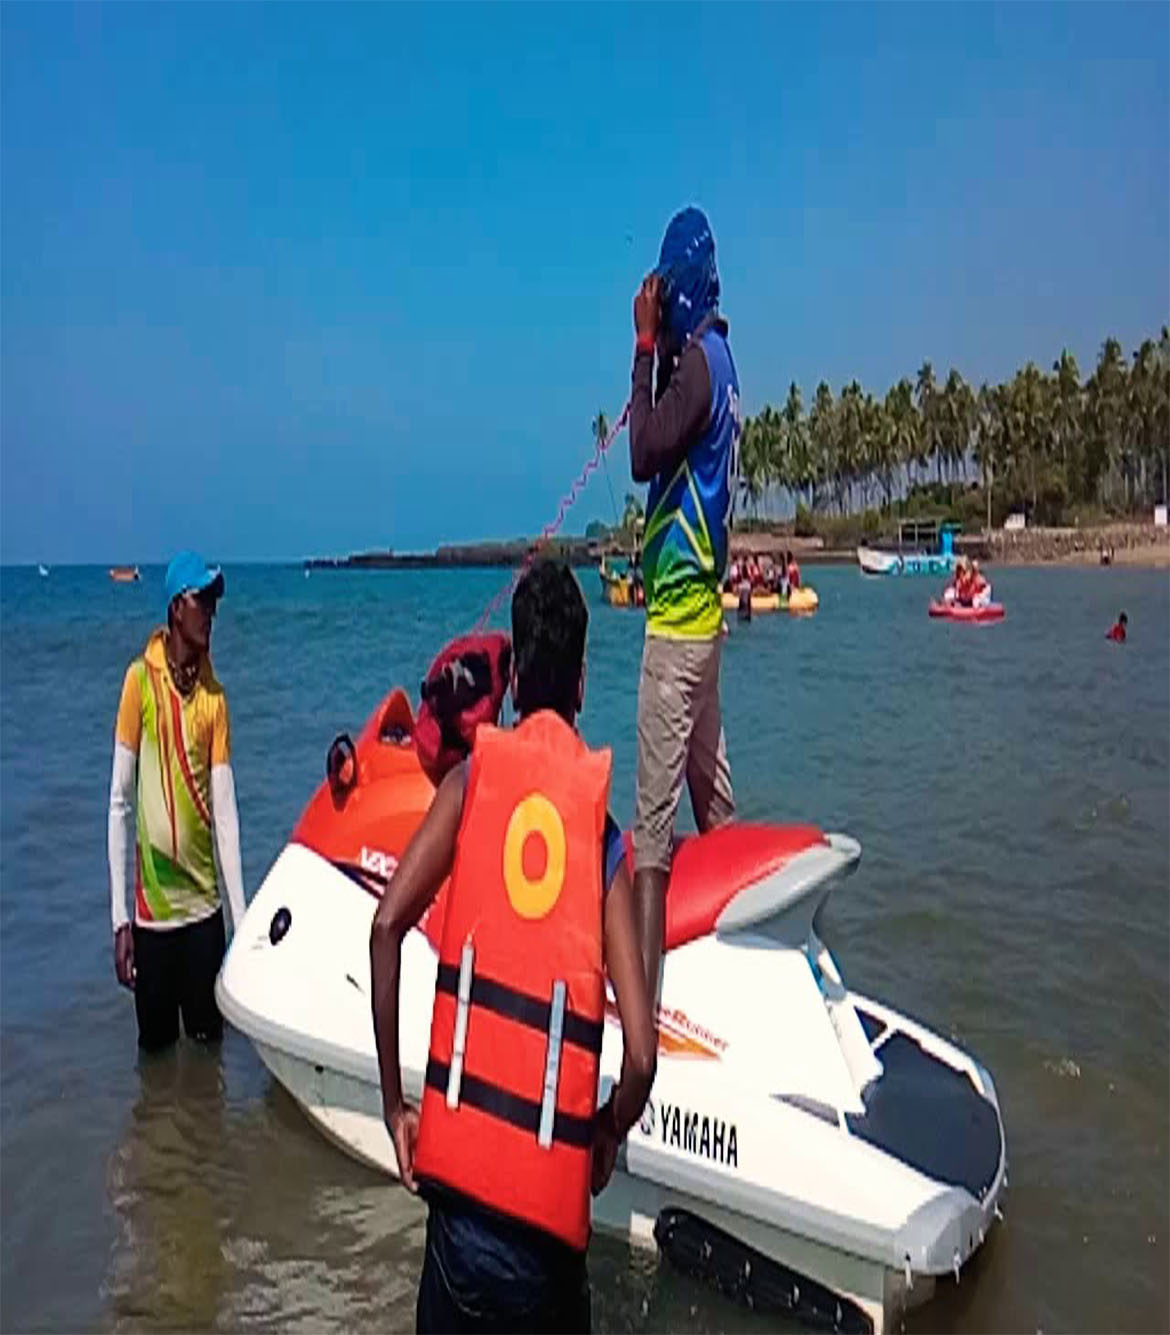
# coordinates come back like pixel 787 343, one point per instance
pixel 125 574
pixel 931 551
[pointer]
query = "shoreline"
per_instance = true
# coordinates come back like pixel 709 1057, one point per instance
pixel 1135 546
pixel 1151 557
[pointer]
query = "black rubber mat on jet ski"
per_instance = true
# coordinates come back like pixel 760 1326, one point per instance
pixel 874 1028
pixel 930 1116
pixel 738 1271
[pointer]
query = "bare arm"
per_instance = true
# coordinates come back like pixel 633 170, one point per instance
pixel 623 962
pixel 425 865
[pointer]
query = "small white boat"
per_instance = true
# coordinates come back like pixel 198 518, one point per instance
pixel 925 547
pixel 806 1148
pixel 875 562
pixel 43 571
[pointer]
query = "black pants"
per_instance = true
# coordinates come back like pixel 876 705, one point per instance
pixel 176 971
pixel 441 1312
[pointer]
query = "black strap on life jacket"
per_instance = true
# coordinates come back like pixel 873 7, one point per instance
pixel 511 1108
pixel 523 1008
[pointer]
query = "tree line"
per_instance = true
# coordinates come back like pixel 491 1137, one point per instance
pixel 1040 442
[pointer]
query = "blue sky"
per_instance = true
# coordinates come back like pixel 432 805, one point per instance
pixel 281 279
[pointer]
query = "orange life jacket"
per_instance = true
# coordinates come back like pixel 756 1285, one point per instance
pixel 512 1075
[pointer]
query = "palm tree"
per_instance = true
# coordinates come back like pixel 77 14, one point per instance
pixel 990 437
pixel 1067 418
pixel 1031 420
pixel 905 426
pixel 849 442
pixel 751 461
pixel 926 391
pixel 1162 408
pixel 876 452
pixel 956 420
pixel 822 431
pixel 1149 393
pixel 1105 396
pixel 1038 439
pixel 773 462
pixel 796 443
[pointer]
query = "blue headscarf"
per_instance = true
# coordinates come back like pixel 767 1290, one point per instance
pixel 690 282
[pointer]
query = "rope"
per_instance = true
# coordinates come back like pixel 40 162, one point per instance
pixel 551 529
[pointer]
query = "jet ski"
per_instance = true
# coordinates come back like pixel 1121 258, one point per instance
pixel 805 1148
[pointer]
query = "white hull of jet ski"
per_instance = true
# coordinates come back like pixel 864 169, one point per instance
pixel 790 1119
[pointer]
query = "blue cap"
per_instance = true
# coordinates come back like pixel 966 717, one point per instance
pixel 188 573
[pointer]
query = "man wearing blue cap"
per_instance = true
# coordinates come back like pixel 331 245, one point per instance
pixel 172 762
pixel 685 442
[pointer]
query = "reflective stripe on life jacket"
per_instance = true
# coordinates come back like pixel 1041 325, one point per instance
pixel 516 1030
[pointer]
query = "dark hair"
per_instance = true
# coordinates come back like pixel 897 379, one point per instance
pixel 1123 618
pixel 548 639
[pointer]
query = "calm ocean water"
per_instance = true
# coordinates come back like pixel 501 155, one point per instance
pixel 1010 787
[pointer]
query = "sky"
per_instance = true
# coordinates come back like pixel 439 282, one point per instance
pixel 284 280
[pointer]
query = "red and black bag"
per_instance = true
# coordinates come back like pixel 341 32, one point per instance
pixel 463 688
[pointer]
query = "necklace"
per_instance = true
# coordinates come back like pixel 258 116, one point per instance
pixel 183 676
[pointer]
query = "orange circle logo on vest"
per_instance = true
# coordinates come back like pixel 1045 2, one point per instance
pixel 534 856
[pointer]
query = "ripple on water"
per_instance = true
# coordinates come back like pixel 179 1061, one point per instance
pixel 1010 791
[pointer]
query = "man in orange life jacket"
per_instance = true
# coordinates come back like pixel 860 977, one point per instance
pixel 539 907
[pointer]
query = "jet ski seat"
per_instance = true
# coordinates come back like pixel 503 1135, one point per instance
pixel 710 870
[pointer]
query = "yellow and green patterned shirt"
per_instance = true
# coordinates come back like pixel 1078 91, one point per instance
pixel 177 739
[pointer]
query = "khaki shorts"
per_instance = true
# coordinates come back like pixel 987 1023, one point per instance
pixel 680 734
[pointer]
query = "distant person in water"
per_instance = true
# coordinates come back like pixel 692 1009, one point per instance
pixel 792 570
pixel 684 441
pixel 754 572
pixel 1116 632
pixel 961 588
pixel 172 760
pixel 980 588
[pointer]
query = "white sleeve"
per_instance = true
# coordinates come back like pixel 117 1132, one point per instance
pixel 120 833
pixel 227 839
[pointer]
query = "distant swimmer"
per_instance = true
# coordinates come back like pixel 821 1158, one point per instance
pixel 1116 632
pixel 172 761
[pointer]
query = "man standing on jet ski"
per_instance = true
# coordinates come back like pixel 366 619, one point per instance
pixel 685 443
pixel 172 760
pixel 538 908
